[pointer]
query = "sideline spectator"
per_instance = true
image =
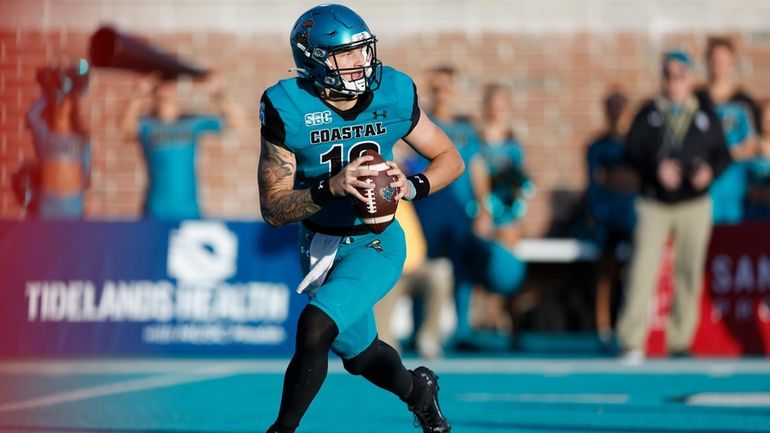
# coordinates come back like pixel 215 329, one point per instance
pixel 61 141
pixel 450 216
pixel 429 279
pixel 758 200
pixel 612 186
pixel 169 140
pixel 735 108
pixel 510 188
pixel 678 148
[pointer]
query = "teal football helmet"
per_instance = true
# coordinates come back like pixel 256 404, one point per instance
pixel 324 32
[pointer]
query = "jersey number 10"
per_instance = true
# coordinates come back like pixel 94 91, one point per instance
pixel 333 157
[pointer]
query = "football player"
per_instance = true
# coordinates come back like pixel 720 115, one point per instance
pixel 454 238
pixel 314 129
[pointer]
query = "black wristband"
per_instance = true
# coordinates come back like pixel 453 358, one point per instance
pixel 421 185
pixel 321 193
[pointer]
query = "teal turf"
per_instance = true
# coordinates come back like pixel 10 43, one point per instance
pixel 486 402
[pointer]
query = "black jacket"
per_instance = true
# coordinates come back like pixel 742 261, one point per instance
pixel 703 141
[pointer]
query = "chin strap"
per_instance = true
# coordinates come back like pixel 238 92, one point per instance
pixel 336 95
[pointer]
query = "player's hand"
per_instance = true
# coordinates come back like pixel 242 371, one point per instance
pixel 702 175
pixel 404 188
pixel 346 181
pixel 670 174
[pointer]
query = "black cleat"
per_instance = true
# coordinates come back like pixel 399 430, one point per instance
pixel 427 411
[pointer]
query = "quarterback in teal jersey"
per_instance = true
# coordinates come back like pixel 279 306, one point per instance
pixel 314 129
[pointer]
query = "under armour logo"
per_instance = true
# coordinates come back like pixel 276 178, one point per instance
pixel 321 185
pixel 377 114
pixel 427 378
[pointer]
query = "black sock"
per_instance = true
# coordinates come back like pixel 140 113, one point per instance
pixel 415 393
pixel 277 428
pixel 381 365
pixel 308 367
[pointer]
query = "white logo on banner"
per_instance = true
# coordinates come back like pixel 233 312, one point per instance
pixel 201 308
pixel 202 253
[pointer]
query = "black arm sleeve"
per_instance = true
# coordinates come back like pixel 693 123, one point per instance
pixel 272 126
pixel 415 111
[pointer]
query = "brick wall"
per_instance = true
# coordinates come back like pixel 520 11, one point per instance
pixel 558 64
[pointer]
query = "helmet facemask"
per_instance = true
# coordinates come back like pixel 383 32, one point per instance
pixel 359 71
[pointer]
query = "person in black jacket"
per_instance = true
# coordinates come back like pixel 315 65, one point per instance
pixel 678 148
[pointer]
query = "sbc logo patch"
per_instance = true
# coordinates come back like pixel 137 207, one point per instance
pixel 318 118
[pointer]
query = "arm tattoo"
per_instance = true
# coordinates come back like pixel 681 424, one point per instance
pixel 280 202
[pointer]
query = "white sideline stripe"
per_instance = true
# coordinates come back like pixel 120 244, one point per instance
pixel 117 388
pixel 546 398
pixel 716 366
pixel 744 399
pixel 139 365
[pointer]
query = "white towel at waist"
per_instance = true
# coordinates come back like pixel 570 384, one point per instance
pixel 323 249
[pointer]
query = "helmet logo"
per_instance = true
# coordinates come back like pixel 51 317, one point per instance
pixel 302 36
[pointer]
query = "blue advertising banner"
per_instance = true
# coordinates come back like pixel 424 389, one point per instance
pixel 147 287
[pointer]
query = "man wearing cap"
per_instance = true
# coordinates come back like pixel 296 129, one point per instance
pixel 678 148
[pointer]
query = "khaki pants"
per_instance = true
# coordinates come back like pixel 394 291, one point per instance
pixel 434 280
pixel 690 225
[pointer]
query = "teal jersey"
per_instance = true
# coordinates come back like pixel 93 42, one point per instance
pixel 735 123
pixel 504 157
pixel 505 164
pixel 324 139
pixel 611 209
pixel 170 150
pixel 729 189
pixel 466 140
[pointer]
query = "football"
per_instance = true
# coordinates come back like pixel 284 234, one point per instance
pixel 380 207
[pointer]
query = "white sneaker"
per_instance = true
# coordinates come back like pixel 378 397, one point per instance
pixel 632 358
